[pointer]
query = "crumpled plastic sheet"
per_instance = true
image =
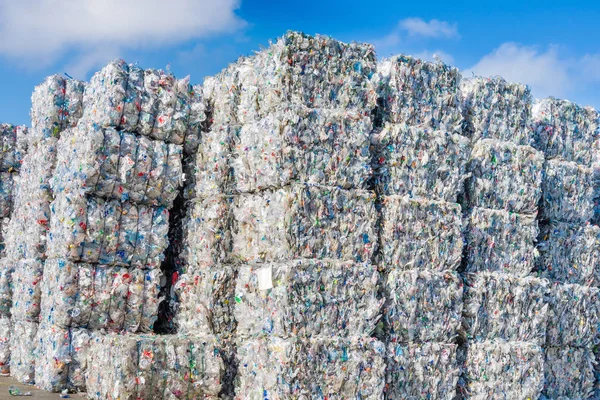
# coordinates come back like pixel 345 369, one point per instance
pixel 567 192
pixel 307 298
pixel 570 253
pixel 56 104
pixel 206 299
pixel 503 370
pixel 5 331
pixel 498 240
pixel 422 306
pixel 569 373
pixel 419 93
pixel 26 282
pixel 213 174
pixel 497 109
pixel 13 140
pixel 420 162
pixel 566 130
pixel 303 221
pixel 6 286
pixel 422 371
pixel 222 95
pixel 505 176
pixel 6 193
pixel 420 234
pixel 573 315
pixel 95 230
pixel 99 296
pixel 22 355
pixel 331 368
pixel 61 358
pixel 155 367
pixel 504 307
pixel 119 165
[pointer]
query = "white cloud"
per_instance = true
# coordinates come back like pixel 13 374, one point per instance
pixel 432 29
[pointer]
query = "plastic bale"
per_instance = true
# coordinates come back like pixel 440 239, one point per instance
pixel 198 120
pixel 295 368
pixel 569 373
pixel 566 131
pixel 496 109
pixel 570 253
pixel 422 371
pixel 307 298
pixel 503 370
pixel 14 142
pixel 420 234
pixel 505 176
pixel 573 315
pixel 504 307
pixel 422 306
pixel 420 162
pixel 6 193
pixel 6 286
pixel 567 192
pixel 23 356
pixel 27 279
pixel 420 93
pixel 5 332
pixel 213 173
pixel 222 94
pixel 500 241
pixel 104 97
pixel 303 221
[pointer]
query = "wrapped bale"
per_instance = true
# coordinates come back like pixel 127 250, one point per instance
pixel 422 371
pixel 421 234
pixel 567 192
pixel 496 109
pixel 302 221
pixel 5 330
pixel 573 315
pixel 13 140
pixel 505 176
pixel 570 253
pixel 151 367
pixel 569 373
pixel 565 130
pixel 503 370
pixel 22 355
pixel 420 162
pixel 26 281
pixel 307 298
pixel 502 241
pixel 504 307
pixel 295 368
pixel 423 306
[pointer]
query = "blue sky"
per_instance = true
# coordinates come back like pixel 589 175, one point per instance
pixel 552 46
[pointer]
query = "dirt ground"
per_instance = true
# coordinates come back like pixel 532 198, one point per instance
pixel 37 394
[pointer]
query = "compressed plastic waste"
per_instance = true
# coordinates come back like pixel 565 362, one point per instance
pixel 296 368
pixel 422 371
pixel 153 367
pixel 213 172
pixel 5 331
pixel 567 192
pixel 505 176
pixel 22 355
pixel 26 283
pixel 422 306
pixel 570 253
pixel 6 193
pixel 496 109
pixel 573 315
pixel 503 370
pixel 421 162
pixel 502 241
pixel 420 234
pixel 569 373
pixel 6 286
pixel 303 221
pixel 565 130
pixel 14 142
pixel 504 307
pixel 307 298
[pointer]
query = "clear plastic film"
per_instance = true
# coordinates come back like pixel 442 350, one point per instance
pixel 501 241
pixel 6 193
pixel 6 286
pixel 307 298
pixel 420 234
pixel 23 351
pixel 422 371
pixel 420 162
pixel 569 373
pixel 14 142
pixel 302 221
pixel 505 176
pixel 27 294
pixel 213 173
pixel 222 94
pixel 5 333
pixel 496 109
pixel 504 307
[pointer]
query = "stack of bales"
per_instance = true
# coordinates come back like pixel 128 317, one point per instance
pixel 569 245
pixel 56 106
pixel 282 232
pixel 505 313
pixel 420 166
pixel 13 140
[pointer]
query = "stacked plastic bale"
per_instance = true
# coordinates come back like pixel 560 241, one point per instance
pixel 505 310
pixel 569 245
pixel 420 162
pixel 56 105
